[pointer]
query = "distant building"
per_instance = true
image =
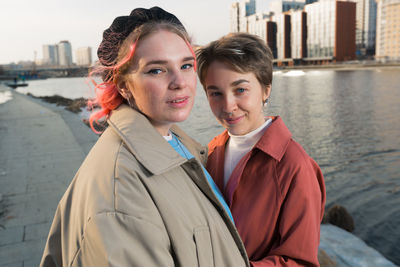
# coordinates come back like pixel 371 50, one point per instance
pixel 331 30
pixel 50 55
pixel 234 16
pixel 83 56
pixel 239 13
pixel 257 24
pixel 271 37
pixel 298 34
pixel 283 36
pixel 388 31
pixel 365 27
pixel 280 6
pixel 64 53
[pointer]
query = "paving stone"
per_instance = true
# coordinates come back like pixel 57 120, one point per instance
pixel 21 251
pixel 36 231
pixel 34 262
pixel 11 235
pixel 13 264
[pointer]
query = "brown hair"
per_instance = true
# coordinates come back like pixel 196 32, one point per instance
pixel 243 52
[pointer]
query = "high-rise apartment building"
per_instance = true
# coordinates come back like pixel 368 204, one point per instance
pixel 298 34
pixel 279 6
pixel 50 55
pixel 242 9
pixel 365 27
pixel 257 24
pixel 388 30
pixel 64 53
pixel 83 56
pixel 271 37
pixel 331 30
pixel 283 23
pixel 234 15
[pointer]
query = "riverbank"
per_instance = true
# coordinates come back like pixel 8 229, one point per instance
pixel 343 248
pixel 346 66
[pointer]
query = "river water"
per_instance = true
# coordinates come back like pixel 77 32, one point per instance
pixel 348 121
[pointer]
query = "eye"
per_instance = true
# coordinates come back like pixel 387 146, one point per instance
pixel 154 71
pixel 187 66
pixel 240 90
pixel 214 94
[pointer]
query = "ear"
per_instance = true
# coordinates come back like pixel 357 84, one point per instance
pixel 124 90
pixel 266 92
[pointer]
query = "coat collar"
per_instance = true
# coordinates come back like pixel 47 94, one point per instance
pixel 143 140
pixel 275 140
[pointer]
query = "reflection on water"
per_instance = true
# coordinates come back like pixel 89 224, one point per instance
pixel 348 121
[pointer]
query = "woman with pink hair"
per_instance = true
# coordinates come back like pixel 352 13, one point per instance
pixel 142 197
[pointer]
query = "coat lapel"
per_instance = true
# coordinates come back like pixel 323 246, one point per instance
pixel 143 140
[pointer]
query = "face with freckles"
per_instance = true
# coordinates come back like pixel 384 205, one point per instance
pixel 235 98
pixel 162 79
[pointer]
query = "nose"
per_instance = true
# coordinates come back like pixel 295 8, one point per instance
pixel 229 104
pixel 178 80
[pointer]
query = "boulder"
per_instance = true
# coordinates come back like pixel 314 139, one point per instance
pixel 339 216
pixel 347 250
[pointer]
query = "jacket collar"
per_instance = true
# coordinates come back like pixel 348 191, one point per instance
pixel 275 140
pixel 143 140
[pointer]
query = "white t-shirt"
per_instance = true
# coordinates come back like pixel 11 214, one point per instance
pixel 240 145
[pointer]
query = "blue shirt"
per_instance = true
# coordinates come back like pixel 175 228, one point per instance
pixel 182 150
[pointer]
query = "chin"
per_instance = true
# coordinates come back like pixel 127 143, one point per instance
pixel 180 117
pixel 236 131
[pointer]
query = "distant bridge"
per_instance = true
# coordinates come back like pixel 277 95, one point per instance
pixel 47 72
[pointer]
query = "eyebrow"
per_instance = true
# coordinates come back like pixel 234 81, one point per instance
pixel 162 62
pixel 233 84
pixel 239 82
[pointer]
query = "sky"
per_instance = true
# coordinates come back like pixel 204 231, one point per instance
pixel 26 25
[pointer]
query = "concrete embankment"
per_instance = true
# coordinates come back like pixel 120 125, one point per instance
pixel 42 146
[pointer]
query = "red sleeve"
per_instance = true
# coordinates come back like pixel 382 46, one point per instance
pixel 300 218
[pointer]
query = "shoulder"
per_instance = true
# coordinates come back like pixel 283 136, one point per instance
pixel 95 184
pixel 297 169
pixel 295 158
pixel 218 141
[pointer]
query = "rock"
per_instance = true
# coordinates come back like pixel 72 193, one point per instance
pixel 347 250
pixel 100 127
pixel 324 259
pixel 76 105
pixel 339 216
pixel 73 105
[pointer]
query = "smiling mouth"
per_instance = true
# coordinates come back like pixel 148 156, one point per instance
pixel 178 102
pixel 233 120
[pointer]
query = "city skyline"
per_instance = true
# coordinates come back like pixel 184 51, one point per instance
pixel 33 24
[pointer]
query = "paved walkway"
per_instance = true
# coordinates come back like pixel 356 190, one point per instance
pixel 41 148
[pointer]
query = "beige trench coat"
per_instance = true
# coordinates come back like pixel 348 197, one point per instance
pixel 136 202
